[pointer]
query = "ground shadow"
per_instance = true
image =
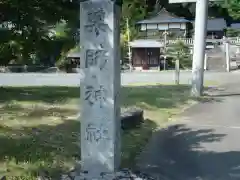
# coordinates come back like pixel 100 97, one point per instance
pixel 159 96
pixel 45 147
pixel 43 94
pixel 34 112
pixel 225 95
pixel 180 155
pixel 52 150
pixel 50 147
pixel 220 92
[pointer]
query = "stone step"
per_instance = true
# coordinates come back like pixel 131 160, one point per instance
pixel 131 118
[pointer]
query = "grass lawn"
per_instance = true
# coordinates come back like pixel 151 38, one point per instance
pixel 39 130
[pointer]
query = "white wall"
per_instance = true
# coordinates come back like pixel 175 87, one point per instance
pixel 163 26
pixel 151 26
pixel 177 26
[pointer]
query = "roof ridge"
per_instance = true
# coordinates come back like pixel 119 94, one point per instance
pixel 163 10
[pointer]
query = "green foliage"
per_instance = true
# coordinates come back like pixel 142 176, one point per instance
pixel 181 52
pixel 133 10
pixel 232 32
pixel 30 37
pixel 32 22
pixel 232 7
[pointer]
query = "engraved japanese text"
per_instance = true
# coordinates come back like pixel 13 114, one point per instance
pixel 95 133
pixel 96 58
pixel 94 95
pixel 95 21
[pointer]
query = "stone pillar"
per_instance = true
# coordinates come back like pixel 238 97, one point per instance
pixel 100 86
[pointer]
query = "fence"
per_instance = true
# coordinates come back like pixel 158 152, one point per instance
pixel 22 68
pixel 190 41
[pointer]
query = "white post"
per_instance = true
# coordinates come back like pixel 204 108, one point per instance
pixel 129 48
pixel 100 109
pixel 177 71
pixel 199 47
pixel 205 61
pixel 227 56
pixel 165 49
pixel 238 50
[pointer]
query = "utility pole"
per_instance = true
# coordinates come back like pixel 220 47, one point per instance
pixel 199 43
pixel 199 47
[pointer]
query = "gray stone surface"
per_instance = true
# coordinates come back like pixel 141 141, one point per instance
pixel 124 174
pixel 100 85
pixel 38 79
pixel 203 142
pixel 131 118
pixel 217 59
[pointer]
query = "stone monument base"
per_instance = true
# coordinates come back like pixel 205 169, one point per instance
pixel 124 174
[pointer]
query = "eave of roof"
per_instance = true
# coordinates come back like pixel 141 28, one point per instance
pixel 146 43
pixel 155 21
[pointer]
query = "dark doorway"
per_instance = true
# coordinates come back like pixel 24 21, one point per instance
pixel 153 57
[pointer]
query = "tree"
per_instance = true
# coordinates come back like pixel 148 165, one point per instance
pixel 231 6
pixel 31 22
pixel 133 10
pixel 232 32
pixel 180 55
pixel 180 51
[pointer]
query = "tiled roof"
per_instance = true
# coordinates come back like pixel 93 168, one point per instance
pixel 163 17
pixel 216 24
pixel 235 25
